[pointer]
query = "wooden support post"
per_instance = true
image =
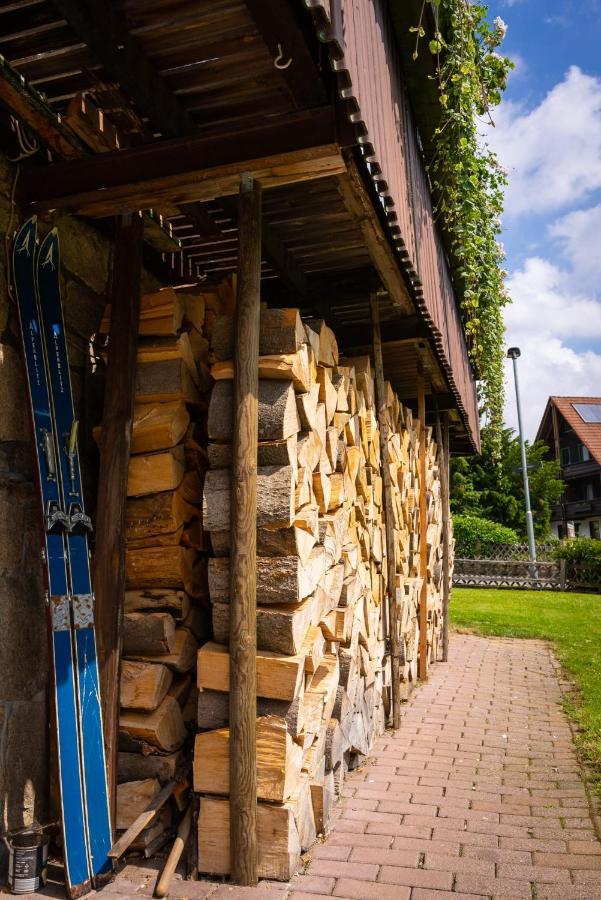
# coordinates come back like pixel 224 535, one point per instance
pixel 442 439
pixel 423 528
pixel 391 627
pixel 109 559
pixel 243 599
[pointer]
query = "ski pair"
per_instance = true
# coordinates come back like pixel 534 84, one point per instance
pixel 78 720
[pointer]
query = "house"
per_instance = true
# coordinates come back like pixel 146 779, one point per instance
pixel 571 427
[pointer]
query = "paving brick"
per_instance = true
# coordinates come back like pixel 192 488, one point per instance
pixel 313 884
pixel 592 847
pixel 544 874
pixel 363 890
pixel 349 839
pixel 416 877
pixel 567 860
pixel 337 869
pixel 459 864
pixel 502 887
pixel 426 894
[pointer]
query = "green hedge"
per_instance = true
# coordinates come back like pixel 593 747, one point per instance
pixel 583 561
pixel 474 537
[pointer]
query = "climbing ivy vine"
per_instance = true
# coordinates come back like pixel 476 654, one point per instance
pixel 468 182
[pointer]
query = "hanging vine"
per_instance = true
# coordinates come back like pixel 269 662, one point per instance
pixel 467 181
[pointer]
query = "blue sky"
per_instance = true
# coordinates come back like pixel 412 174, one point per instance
pixel 548 137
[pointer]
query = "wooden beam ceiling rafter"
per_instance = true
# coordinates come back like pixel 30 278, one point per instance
pixel 103 27
pixel 199 167
pixel 289 44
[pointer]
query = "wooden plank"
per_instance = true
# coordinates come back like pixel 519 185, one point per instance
pixel 423 528
pixel 243 598
pixel 442 439
pixel 103 27
pixel 357 201
pixel 281 26
pixel 109 561
pixel 391 627
pixel 30 107
pixel 182 170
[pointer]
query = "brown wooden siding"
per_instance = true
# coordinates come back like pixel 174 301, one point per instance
pixel 365 56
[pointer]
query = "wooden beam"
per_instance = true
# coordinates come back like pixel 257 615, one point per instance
pixel 423 529
pixel 243 587
pixel 109 559
pixel 391 628
pixel 200 167
pixel 406 328
pixel 442 439
pixel 289 43
pixel 29 107
pixel 358 203
pixel 103 27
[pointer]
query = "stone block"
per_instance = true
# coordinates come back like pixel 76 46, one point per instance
pixel 23 762
pixel 85 252
pixel 23 627
pixel 14 413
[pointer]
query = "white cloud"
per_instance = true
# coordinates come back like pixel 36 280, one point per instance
pixel 579 235
pixel 546 313
pixel 552 152
pixel 542 300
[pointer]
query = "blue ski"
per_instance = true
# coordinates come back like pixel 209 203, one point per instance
pixel 66 702
pixel 78 566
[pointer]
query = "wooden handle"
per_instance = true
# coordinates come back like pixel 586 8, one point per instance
pixel 162 886
pixel 143 820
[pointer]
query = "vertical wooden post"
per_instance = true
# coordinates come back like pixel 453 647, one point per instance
pixel 391 627
pixel 442 439
pixel 423 528
pixel 243 587
pixel 109 558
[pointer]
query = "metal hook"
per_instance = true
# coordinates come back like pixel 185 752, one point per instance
pixel 278 60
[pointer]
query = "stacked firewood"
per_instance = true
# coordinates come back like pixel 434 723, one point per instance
pixel 323 676
pixel 165 609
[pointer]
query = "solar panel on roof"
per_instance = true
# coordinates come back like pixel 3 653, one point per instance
pixel 589 412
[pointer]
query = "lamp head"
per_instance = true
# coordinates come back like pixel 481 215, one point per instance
pixel 514 353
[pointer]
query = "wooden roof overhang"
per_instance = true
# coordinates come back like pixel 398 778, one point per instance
pixel 196 100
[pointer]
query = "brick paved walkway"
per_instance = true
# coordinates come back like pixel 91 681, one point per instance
pixel 479 795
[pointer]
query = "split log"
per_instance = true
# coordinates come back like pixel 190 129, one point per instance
pixel 278 677
pixel 280 579
pixel 165 380
pixel 278 840
pixel 281 627
pixel 153 472
pixel 275 498
pixel 143 685
pixel 281 331
pixel 213 710
pixel 181 658
pixel 278 417
pixel 299 368
pixel 136 766
pixel 162 728
pixel 269 453
pixel 132 799
pixel 278 761
pixel 175 602
pixel 326 348
pixel 148 634
pixel 166 567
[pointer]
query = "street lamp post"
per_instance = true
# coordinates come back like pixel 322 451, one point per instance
pixel 513 353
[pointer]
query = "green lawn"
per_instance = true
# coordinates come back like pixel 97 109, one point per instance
pixel 572 622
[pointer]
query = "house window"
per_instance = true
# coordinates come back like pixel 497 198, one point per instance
pixel 588 412
pixel 595 530
pixel 564 455
pixel 585 454
pixel 589 493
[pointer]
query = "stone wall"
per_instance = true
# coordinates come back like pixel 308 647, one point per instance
pixel 24 658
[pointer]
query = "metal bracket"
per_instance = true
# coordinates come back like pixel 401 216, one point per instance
pixel 55 517
pixel 83 610
pixel 78 519
pixel 60 614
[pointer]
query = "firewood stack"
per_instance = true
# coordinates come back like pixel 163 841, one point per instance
pixel 166 609
pixel 323 679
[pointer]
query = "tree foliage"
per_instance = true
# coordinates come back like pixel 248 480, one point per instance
pixel 467 180
pixel 475 537
pixel 490 485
